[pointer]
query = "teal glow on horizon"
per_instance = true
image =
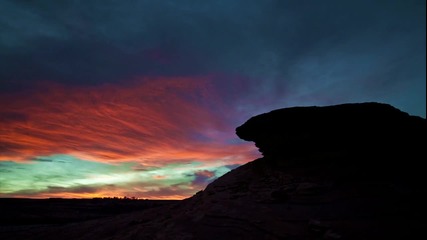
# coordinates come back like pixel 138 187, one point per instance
pixel 65 175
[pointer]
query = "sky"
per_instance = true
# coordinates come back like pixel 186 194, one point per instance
pixel 141 98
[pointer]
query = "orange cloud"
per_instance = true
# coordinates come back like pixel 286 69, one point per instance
pixel 152 121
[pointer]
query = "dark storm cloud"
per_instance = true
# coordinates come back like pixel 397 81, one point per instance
pixel 294 52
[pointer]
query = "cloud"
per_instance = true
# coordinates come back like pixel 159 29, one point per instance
pixel 67 176
pixel 155 120
pixel 203 177
pixel 81 191
pixel 284 53
pixel 38 159
pixel 150 190
pixel 77 189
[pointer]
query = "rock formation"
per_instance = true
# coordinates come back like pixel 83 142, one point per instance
pixel 369 138
pixel 347 127
pixel 351 171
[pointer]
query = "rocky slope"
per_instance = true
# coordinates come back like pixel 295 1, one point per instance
pixel 350 171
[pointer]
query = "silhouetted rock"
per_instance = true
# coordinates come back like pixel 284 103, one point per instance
pixel 347 127
pixel 373 139
pixel 352 171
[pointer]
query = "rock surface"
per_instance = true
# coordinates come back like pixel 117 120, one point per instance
pixel 350 171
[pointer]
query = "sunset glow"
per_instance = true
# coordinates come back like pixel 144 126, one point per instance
pixel 137 140
pixel 142 98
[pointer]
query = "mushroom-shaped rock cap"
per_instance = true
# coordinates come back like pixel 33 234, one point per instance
pixel 372 126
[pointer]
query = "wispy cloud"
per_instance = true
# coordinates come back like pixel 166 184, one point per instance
pixel 150 138
pixel 152 121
